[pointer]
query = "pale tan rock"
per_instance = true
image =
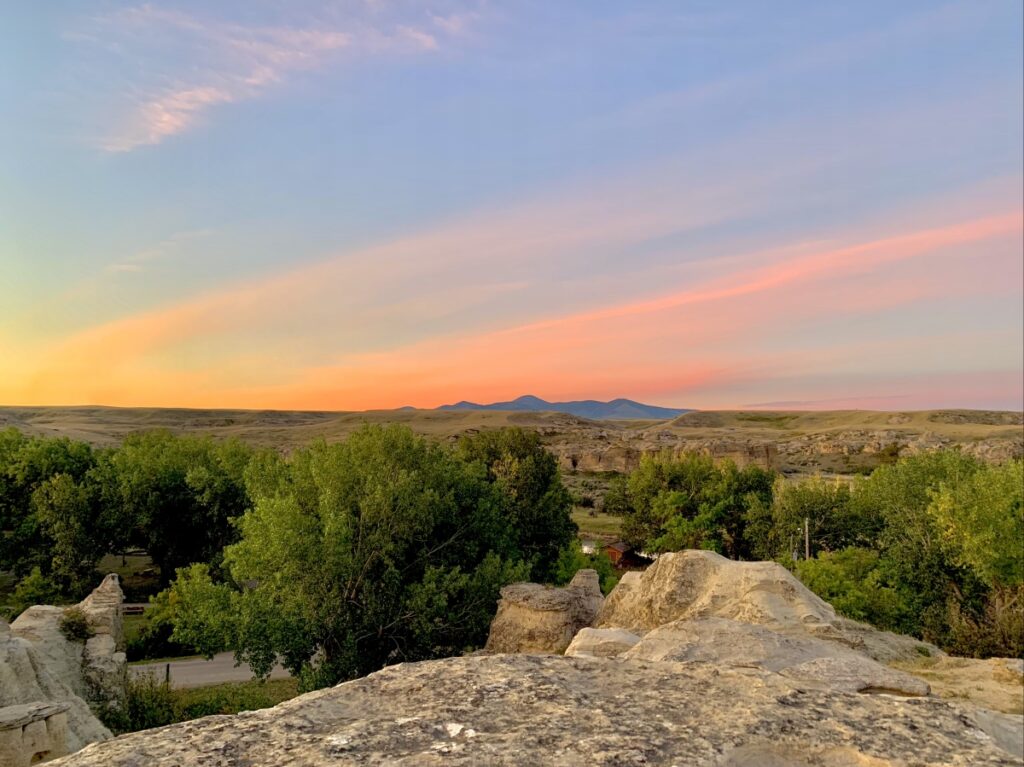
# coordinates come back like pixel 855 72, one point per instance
pixel 25 678
pixel 729 643
pixel 601 643
pixel 96 669
pixel 541 619
pixel 500 710
pixel 32 733
pixel 995 683
pixel 700 584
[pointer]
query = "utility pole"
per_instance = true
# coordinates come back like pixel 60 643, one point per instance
pixel 807 537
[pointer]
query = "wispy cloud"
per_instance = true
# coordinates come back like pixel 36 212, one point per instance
pixel 136 261
pixel 188 64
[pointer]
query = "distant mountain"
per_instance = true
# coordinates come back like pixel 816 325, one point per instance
pixel 587 408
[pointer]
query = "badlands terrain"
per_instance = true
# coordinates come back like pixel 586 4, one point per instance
pixel 793 442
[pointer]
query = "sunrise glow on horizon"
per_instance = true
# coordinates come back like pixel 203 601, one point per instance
pixel 365 205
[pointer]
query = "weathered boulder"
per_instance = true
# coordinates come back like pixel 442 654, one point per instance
pixel 26 678
pixel 32 732
pixel 96 669
pixel 601 643
pixel 701 584
pixel 541 619
pixel 549 710
pixel 725 642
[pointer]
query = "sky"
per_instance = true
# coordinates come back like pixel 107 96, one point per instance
pixel 360 204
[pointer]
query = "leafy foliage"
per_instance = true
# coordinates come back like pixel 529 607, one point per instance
pixel 531 490
pixel 572 559
pixel 74 625
pixel 693 502
pixel 376 550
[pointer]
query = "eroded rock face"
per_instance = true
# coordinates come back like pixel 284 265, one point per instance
pixel 702 584
pixel 26 678
pixel 94 670
pixel 532 618
pixel 549 710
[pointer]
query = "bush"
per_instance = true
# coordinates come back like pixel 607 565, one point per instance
pixel 997 630
pixel 74 625
pixel 148 703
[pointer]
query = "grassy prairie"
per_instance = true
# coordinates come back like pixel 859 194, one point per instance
pixel 596 523
pixel 793 441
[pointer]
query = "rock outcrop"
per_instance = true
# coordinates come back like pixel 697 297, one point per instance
pixel 96 669
pixel 699 661
pixel 702 584
pixel 549 710
pixel 601 643
pixel 540 619
pixel 725 642
pixel 27 679
pixel 31 733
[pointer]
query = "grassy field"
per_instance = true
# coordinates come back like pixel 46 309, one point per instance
pixel 596 523
pixel 233 697
pixel 108 426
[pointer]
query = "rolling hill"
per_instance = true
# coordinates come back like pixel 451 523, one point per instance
pixel 616 409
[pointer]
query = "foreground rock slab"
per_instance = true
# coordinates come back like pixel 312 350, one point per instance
pixel 550 710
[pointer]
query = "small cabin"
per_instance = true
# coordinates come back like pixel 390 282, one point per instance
pixel 623 555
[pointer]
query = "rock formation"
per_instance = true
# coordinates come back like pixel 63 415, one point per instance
pixel 27 679
pixel 725 642
pixel 32 732
pixel 96 669
pixel 702 584
pixel 540 619
pixel 550 710
pixel 698 661
pixel 601 643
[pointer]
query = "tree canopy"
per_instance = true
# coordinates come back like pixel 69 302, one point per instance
pixel 379 549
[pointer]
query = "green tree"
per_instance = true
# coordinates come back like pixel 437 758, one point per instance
pixel 825 505
pixel 851 581
pixel 67 510
pixel 982 520
pixel 179 494
pixel 692 501
pixel 916 558
pixel 380 549
pixel 25 465
pixel 536 502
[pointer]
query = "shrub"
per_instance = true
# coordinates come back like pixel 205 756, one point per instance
pixel 148 703
pixel 74 625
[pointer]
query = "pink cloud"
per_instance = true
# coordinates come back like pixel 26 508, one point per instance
pixel 226 63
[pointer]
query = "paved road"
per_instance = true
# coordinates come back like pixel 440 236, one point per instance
pixel 199 672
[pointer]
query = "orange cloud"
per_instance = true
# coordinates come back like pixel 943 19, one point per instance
pixel 206 351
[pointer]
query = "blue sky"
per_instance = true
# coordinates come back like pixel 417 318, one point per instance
pixel 369 204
